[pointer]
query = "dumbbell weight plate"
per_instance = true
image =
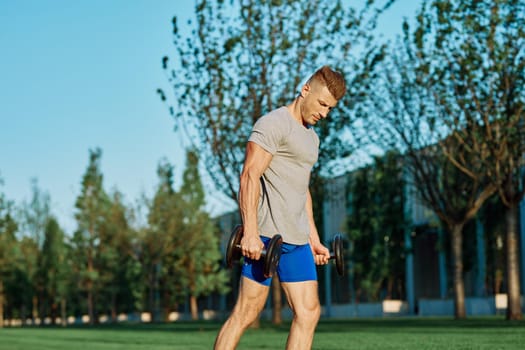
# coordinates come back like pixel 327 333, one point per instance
pixel 273 254
pixel 232 253
pixel 338 253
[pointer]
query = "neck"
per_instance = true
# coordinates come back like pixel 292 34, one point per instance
pixel 295 109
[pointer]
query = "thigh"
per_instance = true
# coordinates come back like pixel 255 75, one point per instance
pixel 302 296
pixel 252 296
pixel 254 269
pixel 296 264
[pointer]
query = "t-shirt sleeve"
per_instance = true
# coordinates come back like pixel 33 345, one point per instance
pixel 268 133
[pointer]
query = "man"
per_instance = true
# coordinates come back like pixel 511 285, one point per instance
pixel 274 199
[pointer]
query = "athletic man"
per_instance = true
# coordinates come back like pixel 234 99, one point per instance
pixel 274 199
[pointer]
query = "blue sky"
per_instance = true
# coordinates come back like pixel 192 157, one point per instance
pixel 76 75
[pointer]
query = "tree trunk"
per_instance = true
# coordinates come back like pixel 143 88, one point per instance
pixel 91 314
pixel 513 282
pixel 194 308
pixel 63 314
pixel 151 291
pixel 166 307
pixel 89 285
pixel 54 311
pixel 34 313
pixel 459 287
pixel 276 301
pixel 113 307
pixel 1 303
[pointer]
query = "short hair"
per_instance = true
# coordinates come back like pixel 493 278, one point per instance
pixel 333 80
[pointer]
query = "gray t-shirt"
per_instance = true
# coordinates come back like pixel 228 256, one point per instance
pixel 284 184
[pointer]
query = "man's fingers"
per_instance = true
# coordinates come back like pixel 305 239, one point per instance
pixel 322 259
pixel 252 253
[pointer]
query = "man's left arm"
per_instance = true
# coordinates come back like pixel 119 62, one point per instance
pixel 320 252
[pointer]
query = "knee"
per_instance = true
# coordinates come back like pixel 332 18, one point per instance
pixel 308 313
pixel 244 317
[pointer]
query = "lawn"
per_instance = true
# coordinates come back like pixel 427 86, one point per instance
pixel 379 333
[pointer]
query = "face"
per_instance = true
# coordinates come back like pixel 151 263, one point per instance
pixel 317 103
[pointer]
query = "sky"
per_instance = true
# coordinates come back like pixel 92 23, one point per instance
pixel 80 75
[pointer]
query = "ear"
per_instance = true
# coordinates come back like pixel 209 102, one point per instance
pixel 305 90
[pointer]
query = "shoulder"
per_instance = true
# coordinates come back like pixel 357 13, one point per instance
pixel 279 115
pixel 277 122
pixel 271 130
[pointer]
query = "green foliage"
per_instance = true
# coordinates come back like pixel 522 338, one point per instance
pixel 202 255
pixel 8 249
pixel 34 219
pixel 160 239
pixel 375 227
pixel 180 252
pixel 477 76
pixel 36 214
pixel 92 205
pixel 104 258
pixel 474 51
pixel 451 98
pixel 54 269
pixel 22 284
pixel 8 228
pixel 118 279
pixel 93 201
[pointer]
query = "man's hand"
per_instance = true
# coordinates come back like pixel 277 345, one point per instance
pixel 320 252
pixel 251 246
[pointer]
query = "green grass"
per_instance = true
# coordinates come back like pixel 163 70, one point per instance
pixel 387 333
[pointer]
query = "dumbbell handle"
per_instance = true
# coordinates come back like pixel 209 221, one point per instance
pixel 332 255
pixel 263 252
pixel 337 254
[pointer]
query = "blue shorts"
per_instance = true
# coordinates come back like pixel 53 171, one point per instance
pixel 296 265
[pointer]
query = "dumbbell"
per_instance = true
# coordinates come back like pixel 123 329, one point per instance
pixel 271 254
pixel 338 254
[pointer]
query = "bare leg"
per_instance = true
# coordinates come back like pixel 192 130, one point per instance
pixel 304 302
pixel 252 297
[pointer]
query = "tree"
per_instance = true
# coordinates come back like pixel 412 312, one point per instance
pixel 8 228
pixel 26 281
pixel 34 217
pixel 118 264
pixel 91 205
pixel 469 55
pixel 180 252
pixel 375 225
pixel 160 241
pixel 499 47
pixel 53 270
pixel 245 58
pixel 36 213
pixel 408 120
pixel 199 257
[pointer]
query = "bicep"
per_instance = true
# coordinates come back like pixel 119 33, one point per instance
pixel 256 161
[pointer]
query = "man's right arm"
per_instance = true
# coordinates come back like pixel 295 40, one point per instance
pixel 256 161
